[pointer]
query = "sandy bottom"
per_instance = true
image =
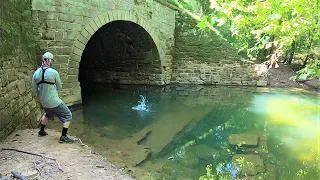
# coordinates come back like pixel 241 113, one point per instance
pixel 77 161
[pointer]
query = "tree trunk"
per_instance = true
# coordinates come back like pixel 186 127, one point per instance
pixel 293 47
pixel 285 57
pixel 305 61
pixel 309 48
pixel 271 49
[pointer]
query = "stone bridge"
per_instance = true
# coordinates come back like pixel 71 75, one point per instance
pixel 117 41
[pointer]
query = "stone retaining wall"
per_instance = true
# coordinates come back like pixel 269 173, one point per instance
pixel 202 57
pixel 18 105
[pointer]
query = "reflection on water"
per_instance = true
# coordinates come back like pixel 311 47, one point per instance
pixel 189 128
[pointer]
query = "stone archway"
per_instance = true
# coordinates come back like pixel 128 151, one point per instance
pixel 96 23
pixel 64 28
pixel 120 52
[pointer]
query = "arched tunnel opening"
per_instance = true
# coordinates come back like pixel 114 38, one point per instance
pixel 120 52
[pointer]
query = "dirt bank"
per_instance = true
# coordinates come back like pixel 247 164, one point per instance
pixel 77 162
pixel 280 77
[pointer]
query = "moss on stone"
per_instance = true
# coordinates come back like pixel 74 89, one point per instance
pixel 17 62
pixel 16 30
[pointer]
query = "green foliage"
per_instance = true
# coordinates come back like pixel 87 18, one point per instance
pixel 267 25
pixel 312 70
pixel 203 23
pixel 267 30
pixel 173 2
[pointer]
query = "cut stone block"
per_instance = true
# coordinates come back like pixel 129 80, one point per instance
pixel 243 140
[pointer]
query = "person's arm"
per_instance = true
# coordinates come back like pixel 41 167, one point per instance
pixel 58 82
pixel 34 85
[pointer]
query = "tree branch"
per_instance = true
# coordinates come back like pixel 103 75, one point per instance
pixel 39 155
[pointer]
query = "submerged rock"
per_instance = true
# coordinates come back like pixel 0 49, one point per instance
pixel 243 140
pixel 270 158
pixel 205 152
pixel 250 164
pixel 174 170
pixel 261 149
pixel 189 159
pixel 271 172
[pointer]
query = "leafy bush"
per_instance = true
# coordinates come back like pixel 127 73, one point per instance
pixel 268 30
pixel 312 70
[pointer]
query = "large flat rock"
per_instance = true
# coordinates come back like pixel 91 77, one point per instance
pixel 261 149
pixel 160 133
pixel 243 139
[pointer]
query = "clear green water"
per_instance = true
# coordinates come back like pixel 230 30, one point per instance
pixel 289 118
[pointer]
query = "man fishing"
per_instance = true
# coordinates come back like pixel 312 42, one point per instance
pixel 46 83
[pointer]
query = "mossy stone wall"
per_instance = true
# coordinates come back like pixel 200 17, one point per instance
pixel 203 57
pixel 18 105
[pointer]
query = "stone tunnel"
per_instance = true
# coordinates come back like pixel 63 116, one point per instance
pixel 120 52
pixel 106 41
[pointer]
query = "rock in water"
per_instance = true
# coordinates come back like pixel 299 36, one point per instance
pixel 244 140
pixel 261 149
pixel 174 170
pixel 271 173
pixel 250 164
pixel 189 159
pixel 205 152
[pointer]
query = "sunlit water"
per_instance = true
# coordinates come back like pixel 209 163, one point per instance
pixel 289 118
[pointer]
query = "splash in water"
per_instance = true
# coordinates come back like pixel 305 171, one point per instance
pixel 142 106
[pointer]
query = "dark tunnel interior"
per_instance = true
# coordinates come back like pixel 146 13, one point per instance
pixel 120 52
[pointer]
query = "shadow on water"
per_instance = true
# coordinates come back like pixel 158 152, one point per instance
pixel 187 128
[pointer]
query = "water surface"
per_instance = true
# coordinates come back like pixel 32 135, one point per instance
pixel 187 128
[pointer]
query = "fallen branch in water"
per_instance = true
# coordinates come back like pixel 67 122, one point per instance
pixel 10 149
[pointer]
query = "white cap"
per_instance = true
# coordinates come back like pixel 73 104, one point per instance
pixel 47 55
